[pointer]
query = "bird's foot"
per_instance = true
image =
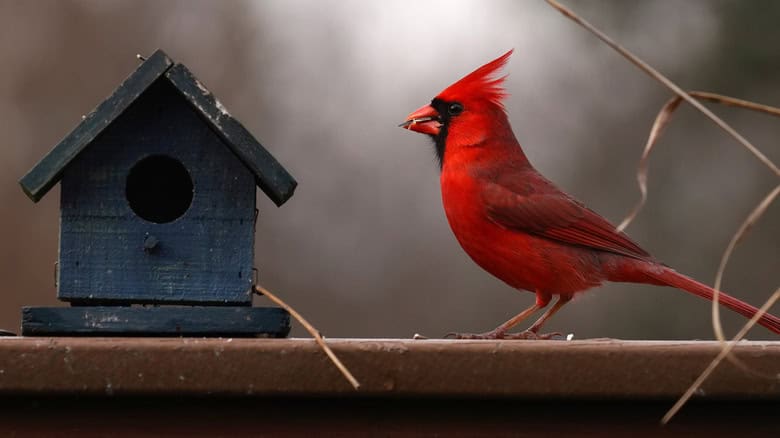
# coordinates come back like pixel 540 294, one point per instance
pixel 494 334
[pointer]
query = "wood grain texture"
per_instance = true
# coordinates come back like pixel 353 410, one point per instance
pixel 552 370
pixel 41 178
pixel 270 176
pixel 155 321
pixel 204 256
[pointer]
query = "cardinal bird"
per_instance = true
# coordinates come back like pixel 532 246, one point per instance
pixel 516 224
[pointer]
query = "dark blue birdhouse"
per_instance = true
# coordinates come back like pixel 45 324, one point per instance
pixel 158 209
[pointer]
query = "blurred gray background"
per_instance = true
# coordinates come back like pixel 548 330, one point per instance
pixel 363 248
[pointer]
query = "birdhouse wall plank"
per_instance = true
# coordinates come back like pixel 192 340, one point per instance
pixel 182 252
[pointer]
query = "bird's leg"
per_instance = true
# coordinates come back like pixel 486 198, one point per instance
pixel 500 331
pixel 533 331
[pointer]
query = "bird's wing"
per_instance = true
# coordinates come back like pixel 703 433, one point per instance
pixel 529 203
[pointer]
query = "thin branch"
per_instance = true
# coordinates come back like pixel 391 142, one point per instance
pixel 752 218
pixel 732 101
pixel 313 331
pixel 719 358
pixel 666 82
pixel 663 118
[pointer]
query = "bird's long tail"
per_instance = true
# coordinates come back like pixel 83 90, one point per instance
pixel 669 277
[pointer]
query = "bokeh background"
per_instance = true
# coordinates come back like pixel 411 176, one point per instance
pixel 363 248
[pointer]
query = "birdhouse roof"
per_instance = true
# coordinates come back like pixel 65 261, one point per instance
pixel 269 175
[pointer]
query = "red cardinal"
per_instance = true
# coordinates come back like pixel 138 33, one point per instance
pixel 518 225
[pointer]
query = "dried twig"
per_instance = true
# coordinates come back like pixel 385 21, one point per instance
pixel 662 119
pixel 752 218
pixel 313 331
pixel 732 101
pixel 723 353
pixel 666 82
pixel 717 325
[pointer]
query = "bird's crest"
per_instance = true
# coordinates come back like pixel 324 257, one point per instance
pixel 481 82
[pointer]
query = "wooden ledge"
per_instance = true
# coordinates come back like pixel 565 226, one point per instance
pixel 586 370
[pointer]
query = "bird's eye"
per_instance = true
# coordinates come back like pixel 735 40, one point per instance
pixel 454 109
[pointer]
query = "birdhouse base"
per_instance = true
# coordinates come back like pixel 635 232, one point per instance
pixel 210 321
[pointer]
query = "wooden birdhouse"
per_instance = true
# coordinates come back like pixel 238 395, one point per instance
pixel 158 209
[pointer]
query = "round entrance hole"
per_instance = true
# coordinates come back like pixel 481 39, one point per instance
pixel 159 189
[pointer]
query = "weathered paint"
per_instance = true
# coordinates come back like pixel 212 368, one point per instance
pixel 191 246
pixel 206 255
pixel 272 178
pixel 41 178
pixel 269 174
pixel 155 321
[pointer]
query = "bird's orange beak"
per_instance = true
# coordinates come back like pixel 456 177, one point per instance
pixel 425 120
